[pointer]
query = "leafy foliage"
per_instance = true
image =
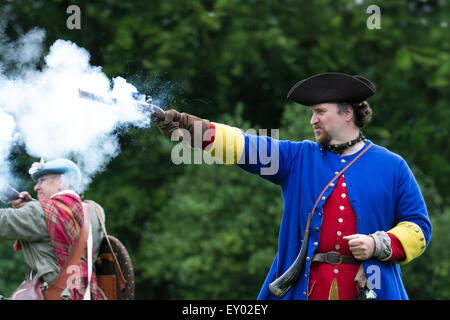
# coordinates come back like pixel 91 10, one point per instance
pixel 209 231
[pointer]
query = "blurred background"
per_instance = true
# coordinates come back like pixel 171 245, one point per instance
pixel 209 231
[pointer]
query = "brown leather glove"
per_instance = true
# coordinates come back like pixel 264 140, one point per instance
pixel 174 120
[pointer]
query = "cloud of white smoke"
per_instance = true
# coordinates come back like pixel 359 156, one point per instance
pixel 40 107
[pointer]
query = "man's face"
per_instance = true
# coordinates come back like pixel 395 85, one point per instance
pixel 47 185
pixel 326 122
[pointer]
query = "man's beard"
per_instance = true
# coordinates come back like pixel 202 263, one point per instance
pixel 322 138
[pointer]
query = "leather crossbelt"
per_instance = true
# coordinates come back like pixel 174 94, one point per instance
pixel 121 277
pixel 334 258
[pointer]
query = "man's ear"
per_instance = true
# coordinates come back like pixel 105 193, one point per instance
pixel 349 113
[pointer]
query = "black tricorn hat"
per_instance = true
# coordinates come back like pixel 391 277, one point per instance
pixel 331 87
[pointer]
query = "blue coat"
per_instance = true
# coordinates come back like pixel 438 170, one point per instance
pixel 382 191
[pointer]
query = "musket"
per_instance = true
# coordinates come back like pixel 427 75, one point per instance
pixel 8 194
pixel 157 112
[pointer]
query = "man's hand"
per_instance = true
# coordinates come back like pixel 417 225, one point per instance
pixel 23 198
pixel 169 123
pixel 362 246
pixel 173 121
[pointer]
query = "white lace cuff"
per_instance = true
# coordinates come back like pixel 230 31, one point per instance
pixel 383 250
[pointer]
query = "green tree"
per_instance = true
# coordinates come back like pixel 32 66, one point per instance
pixel 207 57
pixel 216 236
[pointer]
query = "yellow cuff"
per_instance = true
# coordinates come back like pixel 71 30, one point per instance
pixel 412 239
pixel 228 145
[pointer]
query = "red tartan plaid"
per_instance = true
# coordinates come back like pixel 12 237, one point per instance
pixel 63 232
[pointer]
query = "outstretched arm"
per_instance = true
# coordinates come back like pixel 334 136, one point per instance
pixel 25 223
